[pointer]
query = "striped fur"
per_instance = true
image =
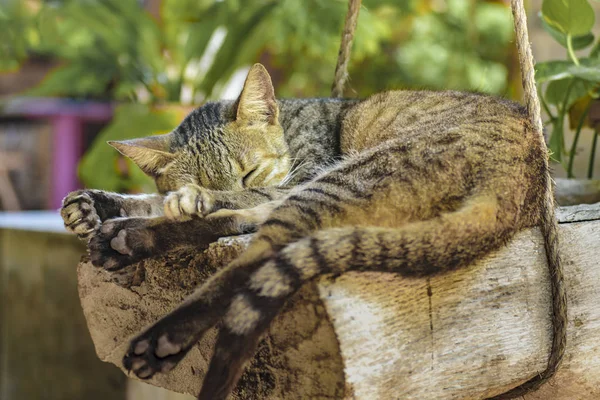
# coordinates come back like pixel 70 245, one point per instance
pixel 410 182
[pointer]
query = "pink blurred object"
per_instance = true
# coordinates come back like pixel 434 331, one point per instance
pixel 68 118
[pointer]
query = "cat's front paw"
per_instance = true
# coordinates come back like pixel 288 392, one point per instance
pixel 121 242
pixel 188 201
pixel 79 214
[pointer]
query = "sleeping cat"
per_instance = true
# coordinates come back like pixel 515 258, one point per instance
pixel 411 182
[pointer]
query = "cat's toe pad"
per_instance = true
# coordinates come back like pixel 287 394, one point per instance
pixel 141 347
pixel 141 368
pixel 165 348
pixel 187 201
pixel 119 243
pixel 79 214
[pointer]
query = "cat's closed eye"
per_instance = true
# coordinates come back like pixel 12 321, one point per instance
pixel 248 177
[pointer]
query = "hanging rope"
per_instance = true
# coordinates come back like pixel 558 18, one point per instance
pixel 341 69
pixel 549 225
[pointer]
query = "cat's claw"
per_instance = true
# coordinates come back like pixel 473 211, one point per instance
pixel 187 201
pixel 121 242
pixel 79 214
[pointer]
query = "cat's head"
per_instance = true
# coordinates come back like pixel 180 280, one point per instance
pixel 219 146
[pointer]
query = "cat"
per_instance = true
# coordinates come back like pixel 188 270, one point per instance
pixel 411 182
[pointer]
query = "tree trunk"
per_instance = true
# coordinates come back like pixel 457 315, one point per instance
pixel 469 334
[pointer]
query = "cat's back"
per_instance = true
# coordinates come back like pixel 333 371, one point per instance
pixel 451 144
pixel 431 117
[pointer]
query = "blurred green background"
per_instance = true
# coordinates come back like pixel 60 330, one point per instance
pixel 185 51
pixel 156 59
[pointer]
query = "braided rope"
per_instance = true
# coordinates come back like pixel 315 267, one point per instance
pixel 341 69
pixel 548 224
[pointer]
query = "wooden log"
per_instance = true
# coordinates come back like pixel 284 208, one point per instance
pixel 469 334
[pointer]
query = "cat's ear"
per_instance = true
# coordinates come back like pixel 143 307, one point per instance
pixel 257 101
pixel 152 154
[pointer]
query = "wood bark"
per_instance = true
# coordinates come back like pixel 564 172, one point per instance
pixel 468 334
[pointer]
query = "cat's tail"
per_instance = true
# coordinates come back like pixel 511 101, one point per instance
pixel 447 242
pixel 549 228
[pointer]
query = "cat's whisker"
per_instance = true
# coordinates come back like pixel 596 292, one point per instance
pixel 294 170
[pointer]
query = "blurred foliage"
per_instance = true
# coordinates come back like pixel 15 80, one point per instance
pixel 569 87
pixel 17 34
pixel 114 49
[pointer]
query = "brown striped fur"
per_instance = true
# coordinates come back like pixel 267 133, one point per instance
pixel 411 182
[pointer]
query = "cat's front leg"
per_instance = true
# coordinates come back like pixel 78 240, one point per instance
pixel 124 241
pixel 188 201
pixel 84 211
pixel 193 200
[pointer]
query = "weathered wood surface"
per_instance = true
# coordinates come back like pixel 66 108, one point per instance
pixel 468 334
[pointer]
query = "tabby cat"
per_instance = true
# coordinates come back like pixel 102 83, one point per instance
pixel 412 182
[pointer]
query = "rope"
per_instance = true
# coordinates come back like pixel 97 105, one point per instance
pixel 549 225
pixel 341 69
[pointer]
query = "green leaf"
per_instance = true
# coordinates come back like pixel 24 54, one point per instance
pixel 557 90
pixel 571 17
pixel 201 32
pixel 552 71
pixel 595 51
pixel 103 168
pixel 589 70
pixel 587 73
pixel 579 42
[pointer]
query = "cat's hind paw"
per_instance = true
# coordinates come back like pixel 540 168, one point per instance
pixel 79 214
pixel 163 345
pixel 148 355
pixel 121 242
pixel 188 201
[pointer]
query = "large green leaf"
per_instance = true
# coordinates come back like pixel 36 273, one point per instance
pixel 571 17
pixel 588 70
pixel 556 91
pixel 587 73
pixel 578 42
pixel 552 71
pixel 103 168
